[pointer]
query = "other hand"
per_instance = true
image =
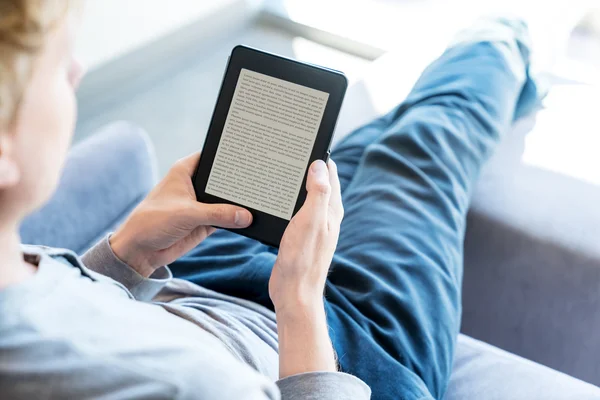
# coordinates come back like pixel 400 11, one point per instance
pixel 308 244
pixel 170 221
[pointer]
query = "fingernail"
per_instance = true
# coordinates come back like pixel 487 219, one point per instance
pixel 318 167
pixel 242 218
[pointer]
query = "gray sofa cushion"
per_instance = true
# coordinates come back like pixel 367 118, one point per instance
pixel 104 178
pixel 482 371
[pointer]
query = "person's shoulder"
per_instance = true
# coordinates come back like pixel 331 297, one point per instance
pixel 77 346
pixel 67 366
pixel 73 330
pixel 53 367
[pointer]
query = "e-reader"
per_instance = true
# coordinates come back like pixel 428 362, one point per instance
pixel 274 116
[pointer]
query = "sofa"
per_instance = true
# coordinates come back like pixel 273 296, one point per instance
pixel 531 271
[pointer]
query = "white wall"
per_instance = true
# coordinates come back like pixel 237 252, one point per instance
pixel 113 27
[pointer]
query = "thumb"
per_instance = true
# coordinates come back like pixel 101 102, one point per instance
pixel 188 163
pixel 223 215
pixel 319 190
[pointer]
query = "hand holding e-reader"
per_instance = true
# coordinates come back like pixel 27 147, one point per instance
pixel 273 118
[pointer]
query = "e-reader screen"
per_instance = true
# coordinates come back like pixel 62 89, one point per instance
pixel 266 143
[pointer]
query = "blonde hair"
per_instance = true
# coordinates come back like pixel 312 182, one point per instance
pixel 24 25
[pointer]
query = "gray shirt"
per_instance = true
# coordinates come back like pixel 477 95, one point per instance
pixel 104 331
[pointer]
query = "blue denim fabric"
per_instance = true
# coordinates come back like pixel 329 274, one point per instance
pixel 393 296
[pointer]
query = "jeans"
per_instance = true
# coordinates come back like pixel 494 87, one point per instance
pixel 393 295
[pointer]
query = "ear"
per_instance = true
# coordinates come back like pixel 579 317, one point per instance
pixel 9 169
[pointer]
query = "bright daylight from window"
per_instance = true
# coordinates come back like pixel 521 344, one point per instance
pixel 566 39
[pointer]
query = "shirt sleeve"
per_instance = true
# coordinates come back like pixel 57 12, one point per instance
pixel 323 386
pixel 101 259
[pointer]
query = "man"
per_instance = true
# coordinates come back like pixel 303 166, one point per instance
pixel 249 321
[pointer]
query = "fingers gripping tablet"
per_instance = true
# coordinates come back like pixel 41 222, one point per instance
pixel 273 117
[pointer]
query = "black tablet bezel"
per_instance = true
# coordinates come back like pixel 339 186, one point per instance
pixel 265 227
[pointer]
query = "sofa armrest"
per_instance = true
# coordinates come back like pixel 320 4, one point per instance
pixel 104 178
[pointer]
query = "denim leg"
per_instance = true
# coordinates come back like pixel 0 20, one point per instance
pixel 230 264
pixel 349 151
pixel 393 294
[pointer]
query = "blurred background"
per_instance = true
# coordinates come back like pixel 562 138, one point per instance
pixel 159 63
pixel 532 259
